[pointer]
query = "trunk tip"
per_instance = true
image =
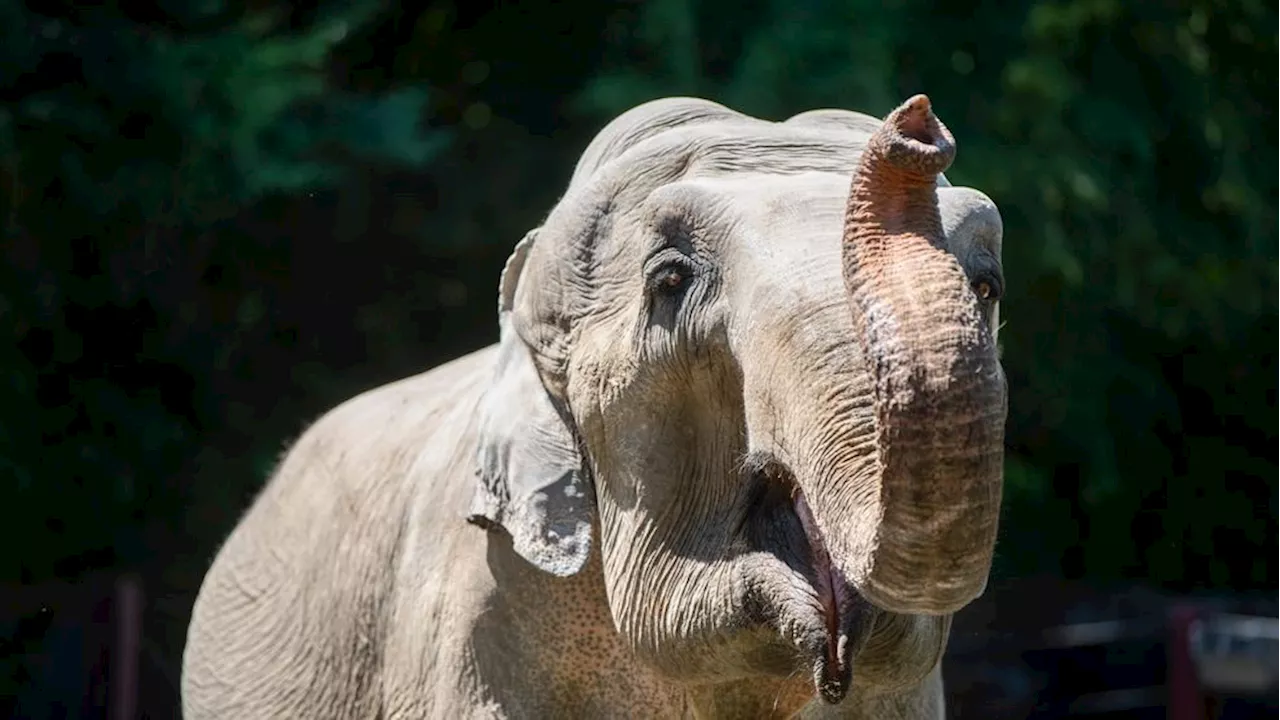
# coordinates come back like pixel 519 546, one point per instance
pixel 912 119
pixel 912 138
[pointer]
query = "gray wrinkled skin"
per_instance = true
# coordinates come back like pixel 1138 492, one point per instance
pixel 562 525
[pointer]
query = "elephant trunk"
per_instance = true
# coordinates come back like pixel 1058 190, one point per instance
pixel 939 395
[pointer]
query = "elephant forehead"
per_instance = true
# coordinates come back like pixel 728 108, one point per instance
pixel 743 147
pixel 768 216
pixel 724 149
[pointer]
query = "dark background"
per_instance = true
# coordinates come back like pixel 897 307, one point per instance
pixel 221 219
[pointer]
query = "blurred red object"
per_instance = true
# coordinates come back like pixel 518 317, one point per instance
pixel 1186 701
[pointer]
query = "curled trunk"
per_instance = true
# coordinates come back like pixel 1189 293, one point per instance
pixel 939 393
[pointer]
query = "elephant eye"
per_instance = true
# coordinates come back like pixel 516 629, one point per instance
pixel 670 279
pixel 987 288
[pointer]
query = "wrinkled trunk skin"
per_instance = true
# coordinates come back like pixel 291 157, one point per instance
pixel 939 393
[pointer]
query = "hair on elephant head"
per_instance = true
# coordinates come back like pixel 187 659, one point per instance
pixel 756 362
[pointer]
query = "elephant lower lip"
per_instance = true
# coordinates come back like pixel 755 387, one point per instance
pixel 833 671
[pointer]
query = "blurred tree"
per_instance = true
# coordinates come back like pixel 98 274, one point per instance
pixel 1132 149
pixel 125 149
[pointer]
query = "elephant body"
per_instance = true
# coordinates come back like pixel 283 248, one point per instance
pixel 343 594
pixel 636 504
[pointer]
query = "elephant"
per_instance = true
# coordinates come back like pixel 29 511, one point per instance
pixel 737 452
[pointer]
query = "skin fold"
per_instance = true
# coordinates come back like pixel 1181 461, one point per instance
pixel 737 453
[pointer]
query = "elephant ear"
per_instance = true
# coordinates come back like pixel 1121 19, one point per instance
pixel 531 482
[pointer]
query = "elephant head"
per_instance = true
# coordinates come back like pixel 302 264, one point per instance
pixel 755 363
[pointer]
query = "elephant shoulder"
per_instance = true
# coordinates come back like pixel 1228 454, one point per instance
pixel 406 411
pixel 353 464
pixel 379 433
pixel 304 588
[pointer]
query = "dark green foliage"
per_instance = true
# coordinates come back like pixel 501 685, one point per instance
pixel 124 149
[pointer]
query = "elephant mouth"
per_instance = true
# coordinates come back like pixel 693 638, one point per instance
pixel 832 671
pixel 845 617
